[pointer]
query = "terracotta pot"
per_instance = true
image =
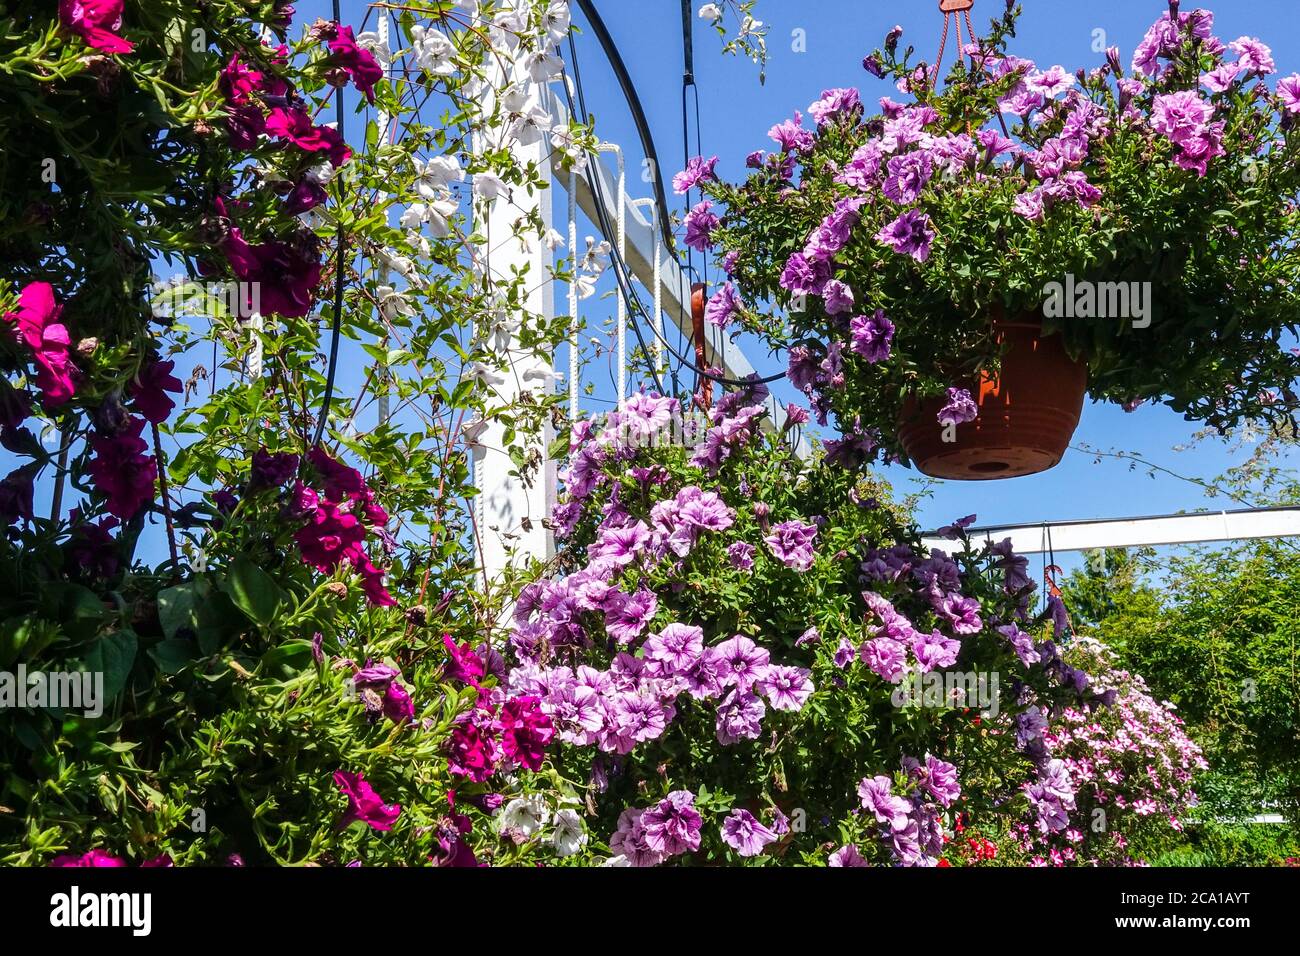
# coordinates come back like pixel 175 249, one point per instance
pixel 1028 413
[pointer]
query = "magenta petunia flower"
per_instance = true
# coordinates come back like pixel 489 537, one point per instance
pixel 364 803
pixel 122 472
pixel 238 82
pixel 525 731
pixel 149 390
pixel 295 125
pixel 95 21
pixel 359 64
pixel 92 858
pixel 36 325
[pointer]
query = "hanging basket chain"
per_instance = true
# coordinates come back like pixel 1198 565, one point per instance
pixel 950 10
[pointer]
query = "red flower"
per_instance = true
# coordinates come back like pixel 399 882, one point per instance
pixel 239 83
pixel 96 858
pixel 150 388
pixel 286 274
pixel 525 731
pixel 36 326
pixel 364 804
pixel 358 63
pixel 294 124
pixel 94 21
pixel 122 472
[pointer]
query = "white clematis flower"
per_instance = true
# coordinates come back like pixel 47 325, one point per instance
pixel 557 21
pixel 543 67
pixel 434 52
pixel 433 177
pixel 370 40
pixel 392 303
pixel 490 186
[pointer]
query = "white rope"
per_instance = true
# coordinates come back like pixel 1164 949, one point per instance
pixel 573 297
pixel 381 271
pixel 661 365
pixel 621 243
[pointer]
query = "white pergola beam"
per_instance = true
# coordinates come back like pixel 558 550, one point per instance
pixel 675 286
pixel 1199 528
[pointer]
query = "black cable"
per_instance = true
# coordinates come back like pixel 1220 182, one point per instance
pixel 621 271
pixel 332 370
pixel 638 113
pixel 597 191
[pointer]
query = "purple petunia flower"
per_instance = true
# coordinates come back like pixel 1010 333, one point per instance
pixel 741 662
pixel 934 651
pixel 791 136
pixel 742 831
pixel 907 176
pixel 886 657
pixel 628 615
pixel 1254 55
pixel 960 409
pixel 847 855
pixel 872 336
pixel 792 543
pixel 697 170
pixel 940 779
pixel 838 297
pixel 700 223
pixel 877 796
pixel 673 825
pixel 786 688
pixel 834 103
pixel 1288 90
pixel 741 555
pixel 674 650
pixel 910 234
pixel 739 717
pixel 722 305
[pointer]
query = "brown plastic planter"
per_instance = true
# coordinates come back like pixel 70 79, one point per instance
pixel 1028 413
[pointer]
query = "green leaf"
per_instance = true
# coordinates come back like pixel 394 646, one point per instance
pixel 174 654
pixel 253 591
pixel 178 608
pixel 113 656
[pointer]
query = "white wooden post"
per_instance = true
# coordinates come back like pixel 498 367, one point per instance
pixel 512 512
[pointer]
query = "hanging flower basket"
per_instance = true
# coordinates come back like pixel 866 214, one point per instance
pixel 1139 215
pixel 1028 412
